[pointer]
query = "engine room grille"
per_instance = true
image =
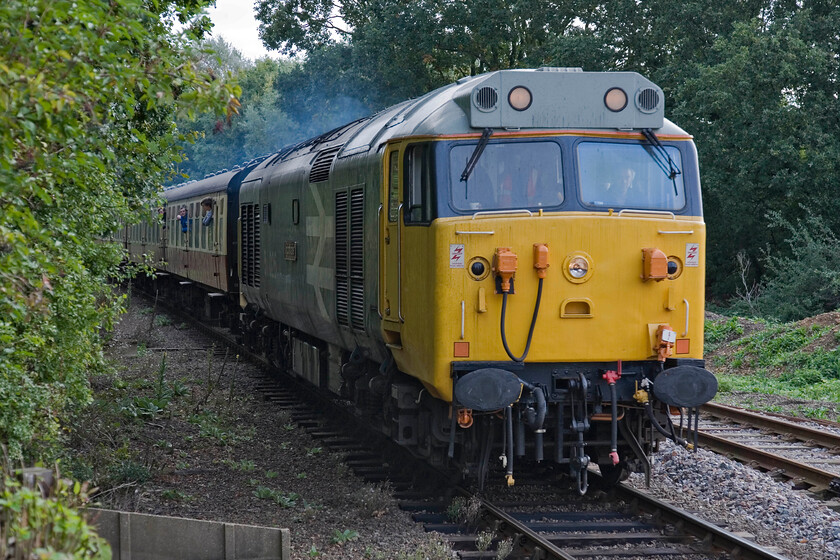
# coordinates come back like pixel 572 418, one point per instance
pixel 250 220
pixel 342 284
pixel 321 165
pixel 349 258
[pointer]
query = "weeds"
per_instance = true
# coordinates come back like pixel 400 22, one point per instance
pixel 283 500
pixel 434 549
pixel 464 511
pixel 127 471
pixel 175 496
pixel 342 537
pixel 484 540
pixel 504 549
pixel 373 500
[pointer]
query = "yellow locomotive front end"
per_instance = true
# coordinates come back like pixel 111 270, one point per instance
pixel 548 280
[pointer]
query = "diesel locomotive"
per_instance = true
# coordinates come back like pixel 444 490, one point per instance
pixel 508 268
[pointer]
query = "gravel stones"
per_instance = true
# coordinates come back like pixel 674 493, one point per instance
pixel 746 500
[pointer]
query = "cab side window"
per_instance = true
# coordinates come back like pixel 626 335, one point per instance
pixel 418 181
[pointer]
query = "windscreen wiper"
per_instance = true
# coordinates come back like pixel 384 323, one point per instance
pixel 662 159
pixel 479 148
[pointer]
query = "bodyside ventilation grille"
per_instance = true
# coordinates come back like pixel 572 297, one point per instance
pixel 357 259
pixel 342 282
pixel 349 258
pixel 250 223
pixel 322 163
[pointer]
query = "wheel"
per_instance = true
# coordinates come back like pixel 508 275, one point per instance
pixel 613 474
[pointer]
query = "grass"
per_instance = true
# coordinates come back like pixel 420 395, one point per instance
pixel 786 359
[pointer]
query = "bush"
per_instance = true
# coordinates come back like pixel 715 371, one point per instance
pixel 34 526
pixel 806 281
pixel 86 140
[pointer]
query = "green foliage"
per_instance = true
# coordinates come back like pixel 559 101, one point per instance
pixel 32 526
pixel 128 471
pixel 763 108
pixel 87 95
pixel 805 280
pixel 781 346
pixel 175 495
pixel 261 127
pixel 212 427
pixel 825 390
pixel 716 332
pixel 285 500
pixel 341 537
pixel 461 510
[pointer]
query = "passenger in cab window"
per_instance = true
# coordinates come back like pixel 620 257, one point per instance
pixel 207 210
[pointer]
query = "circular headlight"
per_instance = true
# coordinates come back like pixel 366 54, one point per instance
pixel 520 98
pixel 578 267
pixel 615 99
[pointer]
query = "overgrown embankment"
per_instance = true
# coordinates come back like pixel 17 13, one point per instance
pixel 791 367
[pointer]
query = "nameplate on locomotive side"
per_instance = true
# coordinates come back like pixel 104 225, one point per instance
pixel 291 250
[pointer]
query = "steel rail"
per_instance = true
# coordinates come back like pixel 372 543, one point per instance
pixel 818 478
pixel 526 537
pixel 776 425
pixel 710 534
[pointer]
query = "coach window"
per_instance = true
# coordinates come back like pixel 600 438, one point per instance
pixel 418 178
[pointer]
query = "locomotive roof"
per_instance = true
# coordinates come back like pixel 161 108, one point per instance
pixel 561 98
pixel 214 183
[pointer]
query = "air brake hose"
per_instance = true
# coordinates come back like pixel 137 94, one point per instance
pixel 614 424
pixel 661 430
pixel 530 330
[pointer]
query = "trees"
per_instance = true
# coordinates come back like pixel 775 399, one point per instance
pixel 87 92
pixel 756 81
pixel 261 127
pixel 764 109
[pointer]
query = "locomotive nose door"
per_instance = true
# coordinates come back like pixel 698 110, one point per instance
pixel 390 247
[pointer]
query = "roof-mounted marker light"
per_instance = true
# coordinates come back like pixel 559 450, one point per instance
pixel 520 98
pixel 615 99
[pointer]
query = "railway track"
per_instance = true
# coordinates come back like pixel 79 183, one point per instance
pixel 626 524
pixel 782 447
